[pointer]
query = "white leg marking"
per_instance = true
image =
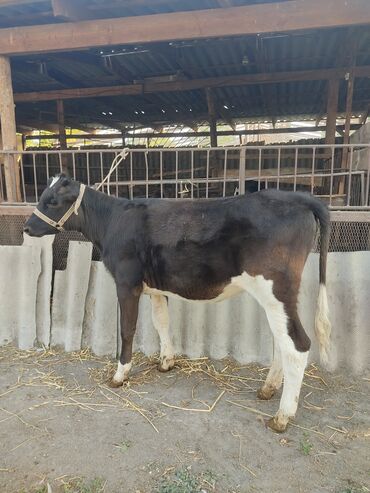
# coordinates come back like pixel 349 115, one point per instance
pixel 122 372
pixel 161 323
pixel 322 324
pixel 293 361
pixel 294 364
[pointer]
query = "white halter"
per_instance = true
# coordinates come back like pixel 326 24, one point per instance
pixel 72 210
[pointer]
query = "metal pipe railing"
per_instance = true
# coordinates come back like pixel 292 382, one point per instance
pixel 209 172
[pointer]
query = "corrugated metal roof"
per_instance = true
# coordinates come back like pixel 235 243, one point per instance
pixel 194 59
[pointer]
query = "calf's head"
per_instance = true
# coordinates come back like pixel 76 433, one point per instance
pixel 59 196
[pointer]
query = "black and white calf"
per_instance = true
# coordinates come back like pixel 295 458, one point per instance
pixel 203 250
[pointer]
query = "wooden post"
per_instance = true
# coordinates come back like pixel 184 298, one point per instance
pixel 61 124
pixel 331 110
pixel 123 137
pixel 62 135
pixel 8 130
pixel 347 125
pixel 212 116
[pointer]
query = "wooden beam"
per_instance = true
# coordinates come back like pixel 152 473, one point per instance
pixel 8 132
pixel 189 85
pixel 212 23
pixel 331 111
pixel 260 131
pixel 16 210
pixel 9 3
pixel 71 10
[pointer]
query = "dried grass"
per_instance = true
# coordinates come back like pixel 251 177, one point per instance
pixel 39 368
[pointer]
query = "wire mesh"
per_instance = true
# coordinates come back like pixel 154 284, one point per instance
pixel 11 233
pixel 345 237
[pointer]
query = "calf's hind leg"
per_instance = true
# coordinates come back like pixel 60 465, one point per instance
pixel 291 339
pixel 161 323
pixel 288 331
pixel 274 377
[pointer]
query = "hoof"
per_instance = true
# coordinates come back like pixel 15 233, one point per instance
pixel 166 364
pixel 113 384
pixel 265 393
pixel 276 425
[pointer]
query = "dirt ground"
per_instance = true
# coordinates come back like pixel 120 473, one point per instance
pixel 62 429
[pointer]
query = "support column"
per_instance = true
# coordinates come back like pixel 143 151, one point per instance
pixel 123 137
pixel 8 131
pixel 331 110
pixel 212 116
pixel 347 125
pixel 62 135
pixel 61 124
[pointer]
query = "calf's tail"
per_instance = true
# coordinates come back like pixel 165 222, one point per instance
pixel 322 322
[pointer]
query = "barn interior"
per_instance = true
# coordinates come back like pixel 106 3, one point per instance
pixel 194 74
pixel 213 89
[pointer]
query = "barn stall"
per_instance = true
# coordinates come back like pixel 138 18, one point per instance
pixel 224 109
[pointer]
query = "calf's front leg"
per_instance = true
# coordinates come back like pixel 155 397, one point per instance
pixel 128 299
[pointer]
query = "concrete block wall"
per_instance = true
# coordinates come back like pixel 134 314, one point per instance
pixel 69 297
pixel 84 309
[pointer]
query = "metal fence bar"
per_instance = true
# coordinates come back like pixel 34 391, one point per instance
pixel 331 177
pixel 278 168
pixel 259 168
pixel 177 173
pixel 256 147
pixel 161 172
pixel 242 164
pixel 35 177
pixel 47 166
pixel 23 181
pixel 295 169
pixel 146 175
pixel 131 190
pixel 367 203
pixel 88 168
pixel 2 190
pixel 350 177
pixel 313 169
pixel 117 179
pixel 207 174
pixel 225 171
pixel 101 166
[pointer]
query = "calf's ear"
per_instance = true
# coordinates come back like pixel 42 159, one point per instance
pixel 69 190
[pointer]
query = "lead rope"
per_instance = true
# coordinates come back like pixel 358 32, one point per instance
pixel 121 156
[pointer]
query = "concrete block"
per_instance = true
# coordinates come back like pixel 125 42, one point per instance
pixel 100 323
pixel 20 268
pixel 44 285
pixel 348 288
pixel 69 297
